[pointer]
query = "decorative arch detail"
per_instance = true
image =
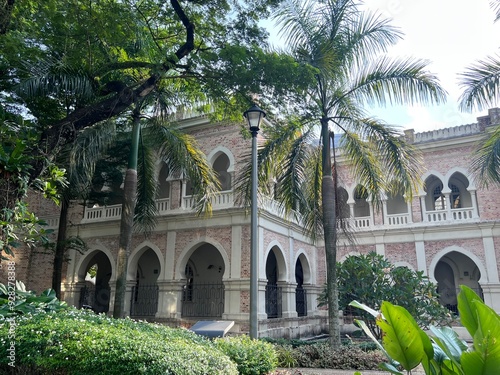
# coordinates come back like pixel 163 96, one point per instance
pixel 435 260
pixel 306 266
pixel 276 247
pixel 136 254
pixel 214 154
pixel 84 262
pixel 192 247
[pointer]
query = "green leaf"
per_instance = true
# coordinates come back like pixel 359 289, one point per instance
pixel 468 309
pixel 364 307
pixel 390 368
pixel 486 357
pixel 402 338
pixel 449 342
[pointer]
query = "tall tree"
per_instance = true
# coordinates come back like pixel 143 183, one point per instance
pixel 481 84
pixel 344 45
pixel 148 43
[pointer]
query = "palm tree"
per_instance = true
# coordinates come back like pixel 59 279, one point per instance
pixel 344 45
pixel 481 83
pixel 181 154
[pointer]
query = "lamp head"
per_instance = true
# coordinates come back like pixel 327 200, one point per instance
pixel 254 115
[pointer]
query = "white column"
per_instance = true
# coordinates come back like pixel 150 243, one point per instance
pixel 170 256
pixel 236 248
pixel 489 255
pixel 475 213
pixel 379 245
pixel 420 252
pixel 423 208
pixel 288 307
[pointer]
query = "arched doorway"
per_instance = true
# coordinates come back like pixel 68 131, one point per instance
pixel 273 291
pixel 203 291
pixel 452 270
pixel 96 273
pixel 300 292
pixel 144 301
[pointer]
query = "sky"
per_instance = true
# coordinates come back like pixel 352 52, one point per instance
pixel 452 35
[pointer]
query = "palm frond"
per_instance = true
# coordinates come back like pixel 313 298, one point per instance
pixel 481 83
pixel 396 81
pixel 486 161
pixel 181 154
pixel 296 21
pixel 80 158
pixel 310 208
pixel 400 161
pixel 370 35
pixel 495 5
pixel 292 173
pixel 363 158
pixel 52 77
pixel 147 185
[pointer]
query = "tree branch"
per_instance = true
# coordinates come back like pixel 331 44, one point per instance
pixel 64 131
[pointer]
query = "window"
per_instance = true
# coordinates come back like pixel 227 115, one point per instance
pixel 439 199
pixel 455 197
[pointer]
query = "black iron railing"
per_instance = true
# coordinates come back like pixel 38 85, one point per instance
pixel 273 301
pixel 95 298
pixel 301 301
pixel 203 300
pixel 144 301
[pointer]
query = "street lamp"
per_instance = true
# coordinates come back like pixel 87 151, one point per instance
pixel 254 115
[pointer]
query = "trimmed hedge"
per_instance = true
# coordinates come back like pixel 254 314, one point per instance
pixel 253 357
pixel 80 343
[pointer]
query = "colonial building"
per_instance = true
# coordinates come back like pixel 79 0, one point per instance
pixel 196 268
pixel 450 230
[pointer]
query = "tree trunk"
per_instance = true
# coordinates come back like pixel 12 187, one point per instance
pixel 6 7
pixel 330 236
pixel 127 222
pixel 60 247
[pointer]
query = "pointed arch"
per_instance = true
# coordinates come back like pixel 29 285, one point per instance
pixel 84 261
pixel 275 247
pixel 302 257
pixel 216 152
pixel 190 248
pixel 136 254
pixel 438 257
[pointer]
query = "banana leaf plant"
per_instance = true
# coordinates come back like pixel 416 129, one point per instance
pixel 439 351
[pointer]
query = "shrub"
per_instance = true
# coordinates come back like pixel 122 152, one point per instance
pixel 16 300
pixel 349 357
pixel 253 357
pixel 80 342
pixel 371 278
pixel 321 355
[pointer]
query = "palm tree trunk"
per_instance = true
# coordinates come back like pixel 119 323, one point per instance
pixel 60 246
pixel 330 236
pixel 127 221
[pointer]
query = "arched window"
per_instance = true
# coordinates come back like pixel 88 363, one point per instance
pixel 221 166
pixel 455 197
pixel 439 199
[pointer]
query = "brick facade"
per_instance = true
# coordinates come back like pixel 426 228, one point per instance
pixel 183 248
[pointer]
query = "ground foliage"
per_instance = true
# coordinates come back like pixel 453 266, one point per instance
pixel 80 342
pixel 319 354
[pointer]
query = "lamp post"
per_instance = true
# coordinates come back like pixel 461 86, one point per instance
pixel 254 115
